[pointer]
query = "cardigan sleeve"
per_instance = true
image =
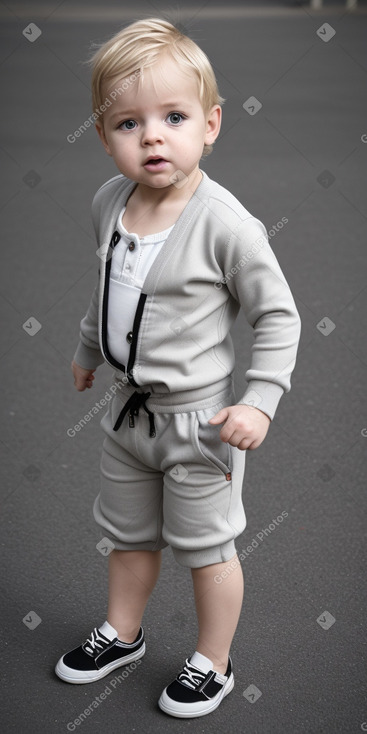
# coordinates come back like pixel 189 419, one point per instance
pixel 88 353
pixel 255 279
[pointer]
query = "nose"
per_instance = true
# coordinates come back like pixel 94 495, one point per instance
pixel 152 132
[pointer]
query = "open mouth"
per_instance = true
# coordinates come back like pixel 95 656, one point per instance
pixel 155 163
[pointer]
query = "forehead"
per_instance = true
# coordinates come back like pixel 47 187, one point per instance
pixel 166 77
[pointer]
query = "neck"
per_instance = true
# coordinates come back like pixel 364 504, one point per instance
pixel 148 195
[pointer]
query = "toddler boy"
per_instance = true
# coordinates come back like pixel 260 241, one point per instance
pixel 179 256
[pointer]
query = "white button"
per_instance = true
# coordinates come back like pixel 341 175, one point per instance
pixel 127 266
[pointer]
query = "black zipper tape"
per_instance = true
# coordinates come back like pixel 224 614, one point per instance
pixel 136 326
pixel 105 348
pixel 137 320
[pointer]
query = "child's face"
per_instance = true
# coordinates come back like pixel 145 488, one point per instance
pixel 163 117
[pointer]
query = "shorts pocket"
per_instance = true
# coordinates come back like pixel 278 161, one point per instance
pixel 215 451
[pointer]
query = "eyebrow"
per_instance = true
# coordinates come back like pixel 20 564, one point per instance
pixel 173 105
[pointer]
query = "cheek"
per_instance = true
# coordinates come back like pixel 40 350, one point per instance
pixel 124 142
pixel 115 147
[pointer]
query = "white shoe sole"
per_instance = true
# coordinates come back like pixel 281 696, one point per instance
pixel 82 676
pixel 188 710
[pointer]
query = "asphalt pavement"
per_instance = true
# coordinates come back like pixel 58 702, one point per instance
pixel 297 151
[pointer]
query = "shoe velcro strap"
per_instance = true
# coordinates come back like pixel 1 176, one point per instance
pixel 210 686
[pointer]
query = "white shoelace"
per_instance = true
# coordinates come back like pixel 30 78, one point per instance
pixel 95 642
pixel 191 676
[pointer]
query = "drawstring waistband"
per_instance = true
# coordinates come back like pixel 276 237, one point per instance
pixel 136 401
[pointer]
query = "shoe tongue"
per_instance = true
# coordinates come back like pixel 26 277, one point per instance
pixel 201 662
pixel 108 631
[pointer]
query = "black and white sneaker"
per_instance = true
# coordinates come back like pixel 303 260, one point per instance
pixel 198 689
pixel 99 654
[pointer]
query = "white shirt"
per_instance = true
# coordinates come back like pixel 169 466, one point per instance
pixel 132 258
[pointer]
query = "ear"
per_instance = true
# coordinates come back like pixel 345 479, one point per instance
pixel 213 123
pixel 101 133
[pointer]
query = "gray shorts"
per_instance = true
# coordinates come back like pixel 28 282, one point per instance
pixel 180 487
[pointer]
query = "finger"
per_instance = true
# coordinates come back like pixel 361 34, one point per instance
pixel 231 425
pixel 228 434
pixel 253 443
pixel 219 417
pixel 245 444
pixel 231 431
pixel 240 438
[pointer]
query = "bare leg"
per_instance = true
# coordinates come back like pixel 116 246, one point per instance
pixel 218 605
pixel 132 577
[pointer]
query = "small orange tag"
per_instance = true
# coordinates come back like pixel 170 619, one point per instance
pixel 228 476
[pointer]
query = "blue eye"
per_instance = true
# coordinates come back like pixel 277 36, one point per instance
pixel 130 125
pixel 176 117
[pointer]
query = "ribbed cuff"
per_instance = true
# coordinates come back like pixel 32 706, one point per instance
pixel 263 395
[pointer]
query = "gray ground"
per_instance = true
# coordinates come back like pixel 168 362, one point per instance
pixel 300 640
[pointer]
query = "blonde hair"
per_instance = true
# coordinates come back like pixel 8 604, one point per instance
pixel 139 46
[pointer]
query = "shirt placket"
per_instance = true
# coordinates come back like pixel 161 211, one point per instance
pixel 132 256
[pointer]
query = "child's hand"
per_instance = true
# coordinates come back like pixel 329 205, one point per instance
pixel 82 378
pixel 244 426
